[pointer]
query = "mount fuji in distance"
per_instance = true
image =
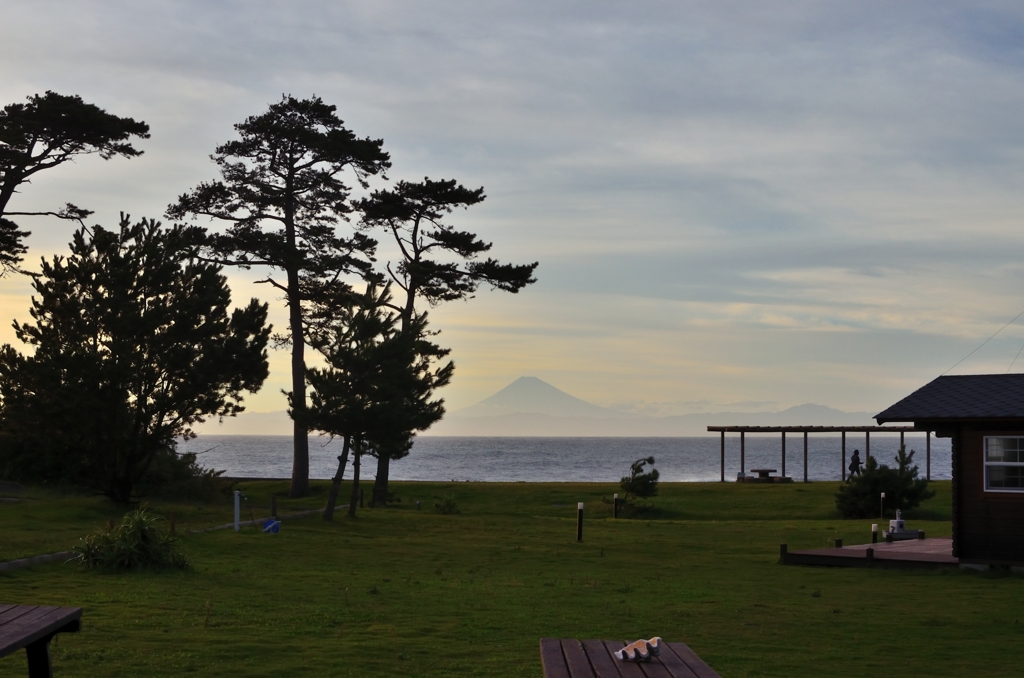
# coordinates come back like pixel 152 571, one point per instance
pixel 530 395
pixel 531 407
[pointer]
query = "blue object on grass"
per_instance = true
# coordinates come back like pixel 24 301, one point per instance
pixel 272 526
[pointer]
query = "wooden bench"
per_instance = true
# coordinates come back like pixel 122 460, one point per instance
pixel 569 658
pixel 31 627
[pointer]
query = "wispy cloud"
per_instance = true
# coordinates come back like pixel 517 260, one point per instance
pixel 784 202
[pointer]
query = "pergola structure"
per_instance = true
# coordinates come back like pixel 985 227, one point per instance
pixel 866 430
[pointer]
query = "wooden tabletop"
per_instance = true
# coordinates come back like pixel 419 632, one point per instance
pixel 570 658
pixel 22 625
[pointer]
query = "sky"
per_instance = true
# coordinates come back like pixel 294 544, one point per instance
pixel 735 205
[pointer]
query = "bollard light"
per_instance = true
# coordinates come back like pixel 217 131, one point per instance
pixel 579 521
pixel 881 506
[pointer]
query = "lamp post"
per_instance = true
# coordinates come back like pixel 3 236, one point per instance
pixel 579 521
pixel 881 507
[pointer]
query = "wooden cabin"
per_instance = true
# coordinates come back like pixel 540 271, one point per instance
pixel 984 416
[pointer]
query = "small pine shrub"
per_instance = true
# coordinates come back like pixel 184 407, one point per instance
pixel 446 504
pixel 136 544
pixel 860 498
pixel 640 485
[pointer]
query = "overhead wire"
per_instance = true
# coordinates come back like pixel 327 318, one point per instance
pixel 985 342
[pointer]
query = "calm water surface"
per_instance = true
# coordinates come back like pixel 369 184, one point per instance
pixel 566 459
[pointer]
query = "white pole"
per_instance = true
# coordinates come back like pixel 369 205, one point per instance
pixel 238 510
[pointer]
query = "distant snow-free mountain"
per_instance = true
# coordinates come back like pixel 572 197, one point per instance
pixel 530 395
pixel 532 407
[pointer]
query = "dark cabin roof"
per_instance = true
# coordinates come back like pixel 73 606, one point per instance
pixel 975 396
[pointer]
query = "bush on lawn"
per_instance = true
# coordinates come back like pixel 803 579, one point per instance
pixel 136 544
pixel 446 504
pixel 640 485
pixel 861 496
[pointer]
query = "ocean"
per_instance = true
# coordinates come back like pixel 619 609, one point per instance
pixel 439 458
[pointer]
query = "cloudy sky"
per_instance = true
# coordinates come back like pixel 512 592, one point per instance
pixel 734 205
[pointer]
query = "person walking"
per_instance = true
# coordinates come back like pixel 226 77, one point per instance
pixel 854 465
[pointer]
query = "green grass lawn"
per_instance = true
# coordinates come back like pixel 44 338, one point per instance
pixel 400 592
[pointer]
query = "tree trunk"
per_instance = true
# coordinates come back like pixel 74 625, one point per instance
pixel 332 498
pixel 380 485
pixel 300 435
pixel 354 498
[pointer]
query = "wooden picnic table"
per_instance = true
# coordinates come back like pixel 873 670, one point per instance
pixel 570 658
pixel 31 627
pixel 763 472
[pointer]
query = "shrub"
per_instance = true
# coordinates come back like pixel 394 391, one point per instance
pixel 137 543
pixel 180 476
pixel 446 505
pixel 860 498
pixel 639 484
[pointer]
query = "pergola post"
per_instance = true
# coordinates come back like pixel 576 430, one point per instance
pixel 723 456
pixel 783 454
pixel 743 453
pixel 805 456
pixel 901 439
pixel 867 446
pixel 843 468
pixel 928 455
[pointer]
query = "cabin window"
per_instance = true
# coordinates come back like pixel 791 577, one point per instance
pixel 1004 464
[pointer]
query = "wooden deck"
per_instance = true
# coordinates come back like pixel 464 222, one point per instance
pixel 569 658
pixel 913 553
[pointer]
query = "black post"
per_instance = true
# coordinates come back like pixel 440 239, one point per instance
pixel 867 446
pixel 928 455
pixel 805 456
pixel 615 506
pixel 874 533
pixel 870 554
pixel 579 521
pixel 783 550
pixel 839 542
pixel 723 456
pixel 783 454
pixel 902 443
pixel 844 457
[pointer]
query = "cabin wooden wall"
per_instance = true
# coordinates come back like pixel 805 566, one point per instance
pixel 988 527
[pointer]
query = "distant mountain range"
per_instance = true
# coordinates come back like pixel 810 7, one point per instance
pixel 532 407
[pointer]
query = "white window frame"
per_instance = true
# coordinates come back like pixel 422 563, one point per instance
pixel 987 464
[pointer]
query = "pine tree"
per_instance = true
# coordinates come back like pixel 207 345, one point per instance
pixel 904 490
pixel 48 131
pixel 133 343
pixel 282 195
pixel 437 262
pixel 377 388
